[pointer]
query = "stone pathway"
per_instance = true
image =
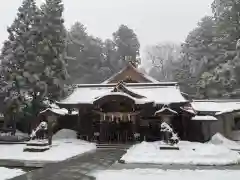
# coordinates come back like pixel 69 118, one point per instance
pixel 77 168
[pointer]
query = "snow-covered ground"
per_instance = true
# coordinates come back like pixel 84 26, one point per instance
pixel 156 174
pixel 6 173
pixel 65 145
pixel 191 153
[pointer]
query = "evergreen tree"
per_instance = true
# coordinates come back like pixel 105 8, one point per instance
pixel 127 44
pixel 111 58
pixel 13 56
pixel 223 78
pixel 93 60
pixel 51 47
pixel 226 14
pixel 199 54
pixel 87 53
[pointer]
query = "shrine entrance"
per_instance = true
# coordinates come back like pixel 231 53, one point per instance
pixel 116 119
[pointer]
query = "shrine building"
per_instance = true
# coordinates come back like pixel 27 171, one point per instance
pixel 131 105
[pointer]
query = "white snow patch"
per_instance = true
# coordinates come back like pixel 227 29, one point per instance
pixel 61 149
pixel 9 173
pixel 204 118
pixel 219 139
pixel 65 134
pixel 220 107
pixel 191 153
pixel 156 174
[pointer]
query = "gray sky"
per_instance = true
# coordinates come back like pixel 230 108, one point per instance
pixel 153 20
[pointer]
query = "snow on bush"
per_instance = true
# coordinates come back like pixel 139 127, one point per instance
pixel 219 139
pixel 65 134
pixel 190 153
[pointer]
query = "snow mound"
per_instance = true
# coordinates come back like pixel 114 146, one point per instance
pixel 10 173
pixel 219 139
pixel 190 153
pixel 65 134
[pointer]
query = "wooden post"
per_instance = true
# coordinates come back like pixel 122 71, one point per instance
pixel 184 127
pixel 209 130
pixel 50 132
pixel 51 121
pixel 79 124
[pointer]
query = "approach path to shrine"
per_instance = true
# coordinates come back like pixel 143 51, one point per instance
pixel 76 168
pixel 83 166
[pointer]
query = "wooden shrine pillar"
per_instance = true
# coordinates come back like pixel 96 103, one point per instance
pixel 102 127
pixel 84 124
pixel 79 123
pixel 185 127
pixel 135 127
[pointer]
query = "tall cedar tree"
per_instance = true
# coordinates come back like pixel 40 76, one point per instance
pixel 94 60
pixel 13 56
pixel 51 48
pixel 127 44
pixel 223 79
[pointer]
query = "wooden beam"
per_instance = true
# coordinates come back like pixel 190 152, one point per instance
pixel 117 113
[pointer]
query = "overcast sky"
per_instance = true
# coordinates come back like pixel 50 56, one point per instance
pixel 152 20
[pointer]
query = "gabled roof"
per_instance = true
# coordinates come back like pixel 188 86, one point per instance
pixel 146 78
pixel 160 93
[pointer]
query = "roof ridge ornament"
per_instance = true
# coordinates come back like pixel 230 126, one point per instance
pixel 118 86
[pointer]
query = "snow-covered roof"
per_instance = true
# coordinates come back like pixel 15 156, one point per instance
pixel 160 94
pixel 57 110
pixel 157 93
pixel 204 118
pixel 146 76
pixel 60 111
pixel 216 106
pixel 136 101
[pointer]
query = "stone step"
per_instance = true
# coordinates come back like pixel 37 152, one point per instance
pixel 114 146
